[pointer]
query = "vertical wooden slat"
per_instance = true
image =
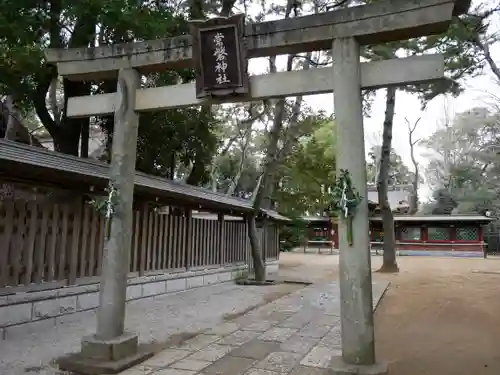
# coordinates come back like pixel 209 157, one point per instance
pixel 213 241
pixel 277 234
pixel 166 254
pixel 270 241
pixel 53 243
pixel 181 241
pixel 237 235
pixel 6 243
pixel 149 240
pixel 226 243
pixel 30 244
pixel 171 253
pixel 144 239
pixel 177 241
pixel 243 255
pixel 154 241
pixel 211 235
pixel 231 243
pixel 131 265
pixel 101 234
pixel 19 243
pixel 238 242
pixel 221 243
pixel 203 242
pixel 135 242
pixel 94 242
pixel 208 241
pixel 75 242
pixel 174 242
pixel 183 229
pixel 192 251
pixel 188 243
pixel 61 269
pixel 235 242
pixel 168 238
pixel 195 251
pixel 159 255
pixel 85 240
pixel 161 248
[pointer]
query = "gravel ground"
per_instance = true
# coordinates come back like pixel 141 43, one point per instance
pixel 153 319
pixel 439 316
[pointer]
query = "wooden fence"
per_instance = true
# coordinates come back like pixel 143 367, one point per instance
pixel 45 242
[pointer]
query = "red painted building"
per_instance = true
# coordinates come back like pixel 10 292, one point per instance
pixel 457 235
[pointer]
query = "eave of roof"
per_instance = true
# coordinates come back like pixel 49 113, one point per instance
pixel 448 218
pixel 414 218
pixel 18 160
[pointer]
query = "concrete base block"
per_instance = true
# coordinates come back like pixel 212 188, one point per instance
pixel 105 356
pixel 110 350
pixel 339 367
pixel 77 363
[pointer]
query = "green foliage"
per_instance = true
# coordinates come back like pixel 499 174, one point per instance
pixel 463 163
pixel 308 172
pixel 167 141
pixel 344 197
pixel 463 57
pixel 292 235
pixel 399 173
pixel 106 205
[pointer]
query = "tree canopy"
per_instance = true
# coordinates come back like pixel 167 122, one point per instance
pixel 463 164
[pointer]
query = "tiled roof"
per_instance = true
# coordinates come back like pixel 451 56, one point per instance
pixel 27 162
pixel 399 196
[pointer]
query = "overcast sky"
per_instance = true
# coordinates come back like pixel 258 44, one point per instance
pixel 475 94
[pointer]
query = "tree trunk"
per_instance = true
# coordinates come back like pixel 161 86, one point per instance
pixel 66 135
pixel 263 190
pixel 266 182
pixel 14 127
pixel 67 139
pixel 197 172
pixel 416 177
pixel 10 129
pixel 234 183
pixel 84 146
pixel 256 250
pixel 487 56
pixel 389 259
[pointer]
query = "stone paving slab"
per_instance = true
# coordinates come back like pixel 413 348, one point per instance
pixel 155 320
pixel 298 334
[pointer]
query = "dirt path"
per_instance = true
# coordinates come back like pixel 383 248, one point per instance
pixel 439 315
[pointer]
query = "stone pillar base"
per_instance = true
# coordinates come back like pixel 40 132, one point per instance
pixel 339 367
pixel 105 356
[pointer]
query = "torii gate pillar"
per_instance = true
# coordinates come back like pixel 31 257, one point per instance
pixel 358 343
pixel 111 349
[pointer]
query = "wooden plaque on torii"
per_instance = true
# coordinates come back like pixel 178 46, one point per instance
pixel 219 57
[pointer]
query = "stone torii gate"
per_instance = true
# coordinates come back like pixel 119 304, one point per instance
pixel 111 349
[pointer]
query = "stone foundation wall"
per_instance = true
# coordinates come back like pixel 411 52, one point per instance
pixel 23 312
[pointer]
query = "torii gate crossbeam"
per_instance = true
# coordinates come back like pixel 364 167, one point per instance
pixel 344 31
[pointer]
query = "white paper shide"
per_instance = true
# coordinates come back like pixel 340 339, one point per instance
pixel 220 54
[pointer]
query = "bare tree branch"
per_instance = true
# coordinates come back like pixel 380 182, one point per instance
pixel 416 176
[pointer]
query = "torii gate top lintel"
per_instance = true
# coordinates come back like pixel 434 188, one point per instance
pixel 381 22
pixel 341 31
